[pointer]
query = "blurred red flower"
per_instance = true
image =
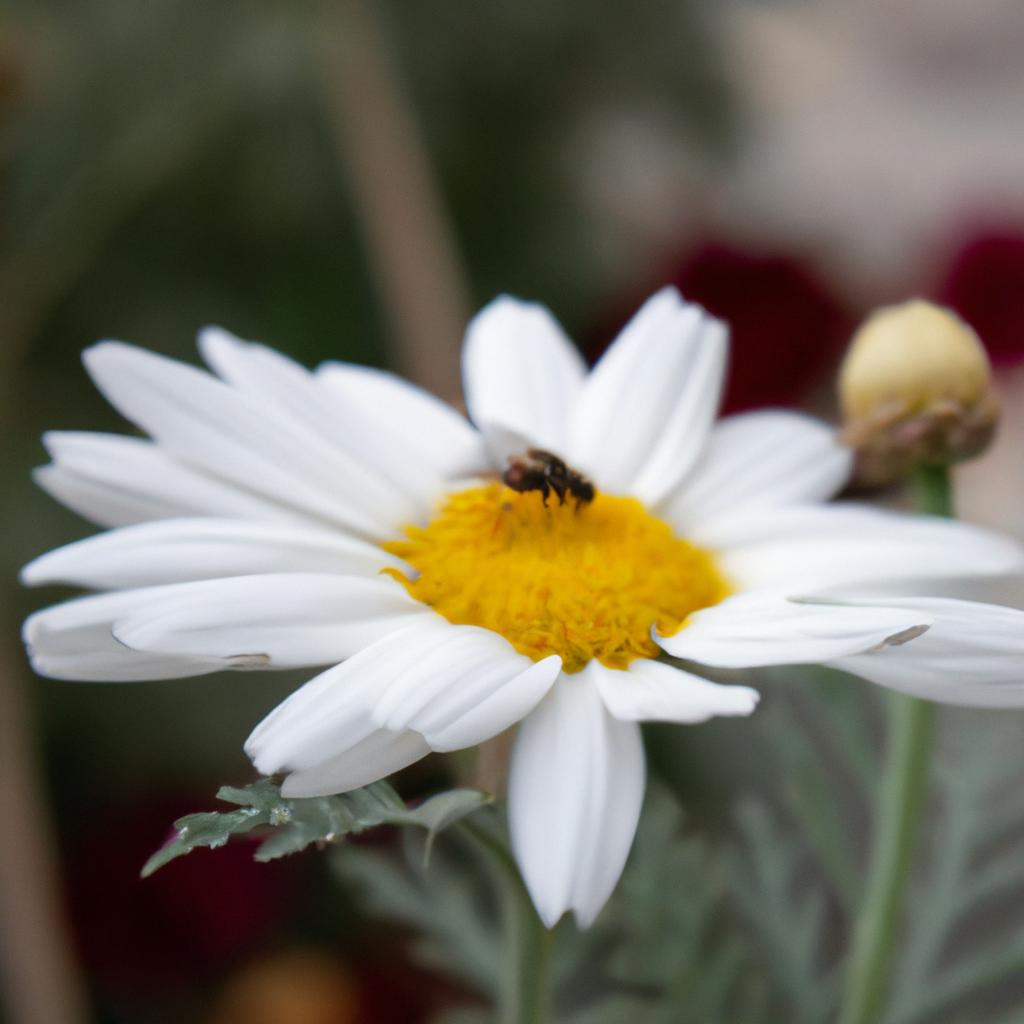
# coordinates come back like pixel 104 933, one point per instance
pixel 184 926
pixel 984 283
pixel 788 327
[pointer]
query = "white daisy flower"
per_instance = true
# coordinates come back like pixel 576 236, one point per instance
pixel 281 518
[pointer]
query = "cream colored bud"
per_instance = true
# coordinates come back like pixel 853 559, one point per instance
pixel 916 386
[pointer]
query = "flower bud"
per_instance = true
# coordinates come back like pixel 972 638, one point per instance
pixel 915 387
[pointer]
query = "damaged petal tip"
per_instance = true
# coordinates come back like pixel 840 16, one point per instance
pixel 904 636
pixel 245 661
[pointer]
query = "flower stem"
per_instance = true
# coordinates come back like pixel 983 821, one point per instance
pixel 902 797
pixel 911 733
pixel 933 490
pixel 523 993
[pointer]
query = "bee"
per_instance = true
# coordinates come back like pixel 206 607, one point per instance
pixel 539 470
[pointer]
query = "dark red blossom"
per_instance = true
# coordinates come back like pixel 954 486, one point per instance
pixel 788 327
pixel 985 285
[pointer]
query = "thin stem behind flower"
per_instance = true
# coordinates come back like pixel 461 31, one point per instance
pixel 911 736
pixel 525 979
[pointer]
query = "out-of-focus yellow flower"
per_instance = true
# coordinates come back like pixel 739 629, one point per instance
pixel 916 386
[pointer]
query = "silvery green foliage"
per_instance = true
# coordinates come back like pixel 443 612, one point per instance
pixel 674 949
pixel 668 948
pixel 749 925
pixel 448 904
pixel 965 957
pixel 752 925
pixel 961 951
pixel 293 824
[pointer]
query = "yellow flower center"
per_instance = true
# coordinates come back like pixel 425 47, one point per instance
pixel 583 583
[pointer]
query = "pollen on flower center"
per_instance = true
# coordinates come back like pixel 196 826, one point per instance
pixel 583 583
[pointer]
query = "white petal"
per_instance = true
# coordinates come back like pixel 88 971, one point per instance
pixel 973 655
pixel 760 460
pixel 381 754
pixel 453 685
pixel 237 437
pixel 575 788
pixel 373 444
pixel 470 689
pixel 810 548
pixel 654 692
pixel 73 640
pixel 521 375
pixel 768 629
pixel 181 550
pixel 118 481
pixel 318 724
pixel 432 431
pixel 645 411
pixel 283 620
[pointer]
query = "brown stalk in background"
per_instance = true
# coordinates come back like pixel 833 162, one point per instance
pixel 410 241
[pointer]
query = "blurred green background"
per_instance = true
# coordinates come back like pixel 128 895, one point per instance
pixel 176 163
pixel 351 180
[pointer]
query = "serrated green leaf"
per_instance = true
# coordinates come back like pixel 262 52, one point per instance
pixel 298 823
pixel 264 795
pixel 327 819
pixel 212 830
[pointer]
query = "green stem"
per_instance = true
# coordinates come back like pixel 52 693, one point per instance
pixel 933 490
pixel 903 790
pixel 911 733
pixel 523 994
